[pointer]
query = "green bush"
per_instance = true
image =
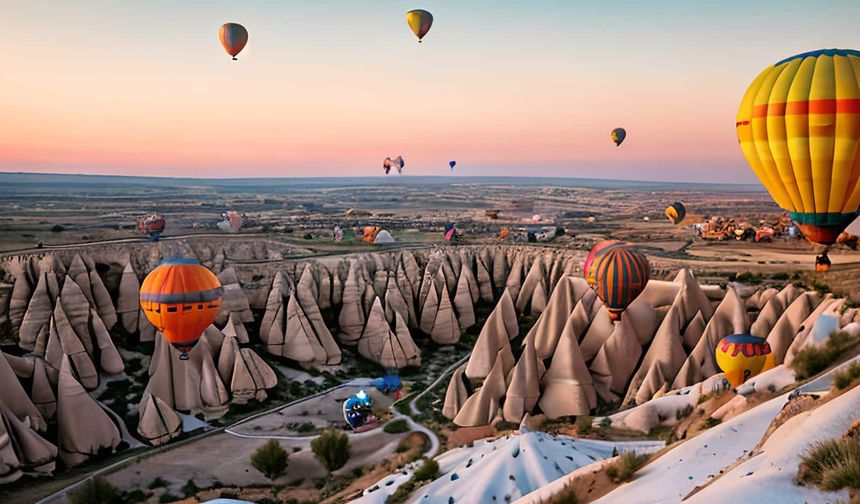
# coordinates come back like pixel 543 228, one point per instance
pixel 584 424
pixel 396 426
pixel 566 496
pixel 331 449
pixel 623 469
pixel 404 445
pixel 57 229
pixel 429 470
pixel 832 464
pixel 270 459
pixel 96 491
pixel 847 375
pixel 810 361
pixel 167 497
pixel 158 482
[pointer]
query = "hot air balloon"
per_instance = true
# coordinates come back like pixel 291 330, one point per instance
pixel 230 222
pixel 504 233
pixel 618 135
pixel 152 225
pixel 338 234
pixel 233 37
pixel 799 126
pixel 370 233
pixel 397 162
pixel 741 357
pixel 181 298
pixel 452 164
pixel 420 22
pixel 676 212
pixel 450 231
pixel 358 410
pixel 587 271
pixel 620 275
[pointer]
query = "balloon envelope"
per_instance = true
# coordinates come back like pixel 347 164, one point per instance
pixel 618 135
pixel 181 298
pixel 676 212
pixel 741 356
pixel 587 271
pixel 233 37
pixel 799 126
pixel 452 164
pixel 357 410
pixel 152 225
pixel 620 275
pixel 419 21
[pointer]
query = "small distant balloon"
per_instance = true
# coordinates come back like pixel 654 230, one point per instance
pixel 152 225
pixel 358 410
pixel 233 37
pixel 420 22
pixel 452 164
pixel 618 136
pixel 676 212
pixel 397 163
pixel 338 234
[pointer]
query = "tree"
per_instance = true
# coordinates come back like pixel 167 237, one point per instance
pixel 96 491
pixel 331 449
pixel 270 459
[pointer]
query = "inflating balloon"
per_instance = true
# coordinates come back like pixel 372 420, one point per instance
pixel 358 409
pixel 152 225
pixel 233 37
pixel 741 356
pixel 618 135
pixel 676 212
pixel 397 162
pixel 620 275
pixel 181 298
pixel 420 22
pixel 799 127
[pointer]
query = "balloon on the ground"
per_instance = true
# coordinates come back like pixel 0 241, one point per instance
pixel 230 222
pixel 181 298
pixel 504 233
pixel 152 225
pixel 358 409
pixel 741 356
pixel 369 233
pixel 233 37
pixel 799 126
pixel 620 275
pixel 397 163
pixel 618 135
pixel 676 212
pixel 338 234
pixel 419 21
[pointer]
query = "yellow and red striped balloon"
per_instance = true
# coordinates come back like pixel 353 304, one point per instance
pixel 799 128
pixel 620 274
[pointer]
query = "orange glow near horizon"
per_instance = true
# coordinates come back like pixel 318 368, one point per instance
pixel 330 90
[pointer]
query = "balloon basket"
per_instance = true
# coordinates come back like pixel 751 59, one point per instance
pixel 183 356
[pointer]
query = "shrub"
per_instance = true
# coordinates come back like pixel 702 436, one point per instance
pixel 403 446
pixel 190 489
pixel 566 496
pixel 584 424
pixel 832 464
pixel 711 422
pixel 396 426
pixel 306 428
pixel 270 459
pixel 331 449
pixel 167 497
pixel 810 361
pixel 429 470
pixel 623 469
pixel 57 228
pixel 847 375
pixel 96 491
pixel 158 482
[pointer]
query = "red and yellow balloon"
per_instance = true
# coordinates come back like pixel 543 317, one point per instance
pixel 741 356
pixel 799 128
pixel 233 37
pixel 181 298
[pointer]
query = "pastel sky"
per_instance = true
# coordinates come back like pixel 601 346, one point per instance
pixel 329 88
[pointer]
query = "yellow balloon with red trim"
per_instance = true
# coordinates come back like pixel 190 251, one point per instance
pixel 419 21
pixel 741 356
pixel 799 128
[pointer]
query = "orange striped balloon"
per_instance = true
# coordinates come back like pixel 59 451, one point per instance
pixel 181 298
pixel 620 274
